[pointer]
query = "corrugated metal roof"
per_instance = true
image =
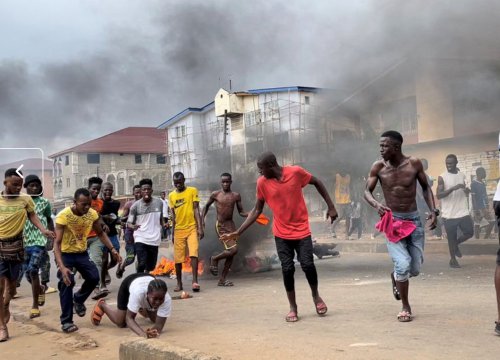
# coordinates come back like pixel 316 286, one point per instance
pixel 131 140
pixel 184 113
pixel 211 105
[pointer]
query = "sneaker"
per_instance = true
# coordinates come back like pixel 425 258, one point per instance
pixel 454 264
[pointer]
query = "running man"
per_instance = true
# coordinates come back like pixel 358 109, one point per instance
pixel 15 208
pixel 109 215
pixel 138 293
pixel 281 188
pixel 35 243
pixel 187 227
pixel 73 224
pixel 146 219
pixel 128 233
pixel 453 193
pixel 398 175
pixel 225 200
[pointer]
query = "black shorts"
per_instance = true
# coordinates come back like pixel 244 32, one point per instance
pixel 124 293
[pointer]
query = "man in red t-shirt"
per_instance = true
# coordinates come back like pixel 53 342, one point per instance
pixel 281 188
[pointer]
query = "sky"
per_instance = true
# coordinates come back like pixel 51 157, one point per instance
pixel 72 70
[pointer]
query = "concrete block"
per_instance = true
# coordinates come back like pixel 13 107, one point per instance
pixel 156 349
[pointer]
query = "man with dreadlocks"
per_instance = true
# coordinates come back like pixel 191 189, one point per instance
pixel 139 293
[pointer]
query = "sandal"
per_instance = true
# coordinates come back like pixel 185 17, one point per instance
pixel 69 328
pixel 214 269
pixel 405 316
pixel 225 283
pixel 41 296
pixel 34 313
pixel 196 287
pixel 80 309
pixel 97 313
pixel 395 291
pixel 4 334
pixel 100 293
pixel 321 308
pixel 292 316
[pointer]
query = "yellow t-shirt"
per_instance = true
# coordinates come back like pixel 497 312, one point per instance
pixel 76 229
pixel 182 204
pixel 13 214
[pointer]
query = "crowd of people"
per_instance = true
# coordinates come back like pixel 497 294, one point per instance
pixel 85 241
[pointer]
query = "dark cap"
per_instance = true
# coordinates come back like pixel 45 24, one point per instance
pixel 30 178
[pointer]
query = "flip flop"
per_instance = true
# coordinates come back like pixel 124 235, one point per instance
pixel 405 316
pixel 214 269
pixel 34 313
pixel 41 296
pixel 321 308
pixel 292 317
pixel 196 287
pixel 97 313
pixel 99 294
pixel 395 291
pixel 69 328
pixel 225 283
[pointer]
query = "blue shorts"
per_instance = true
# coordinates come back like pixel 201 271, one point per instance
pixel 114 241
pixel 10 269
pixel 33 257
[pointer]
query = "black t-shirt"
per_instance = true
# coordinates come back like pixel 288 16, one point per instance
pixel 111 207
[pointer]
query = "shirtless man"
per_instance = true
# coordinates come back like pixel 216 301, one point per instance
pixel 225 200
pixel 398 175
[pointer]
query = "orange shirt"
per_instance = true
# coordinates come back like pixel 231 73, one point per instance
pixel 97 206
pixel 286 200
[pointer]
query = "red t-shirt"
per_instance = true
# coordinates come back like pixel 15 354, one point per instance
pixel 286 200
pixel 97 206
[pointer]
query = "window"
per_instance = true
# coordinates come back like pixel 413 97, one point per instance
pixel 93 158
pixel 306 100
pixel 252 118
pixel 66 160
pixel 183 158
pixel 138 158
pixel 180 131
pixel 160 159
pixel 68 182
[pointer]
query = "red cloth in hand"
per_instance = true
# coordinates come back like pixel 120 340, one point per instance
pixel 395 229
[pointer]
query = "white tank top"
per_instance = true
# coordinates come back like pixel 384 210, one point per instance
pixel 455 205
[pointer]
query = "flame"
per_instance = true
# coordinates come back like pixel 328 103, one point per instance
pixel 166 267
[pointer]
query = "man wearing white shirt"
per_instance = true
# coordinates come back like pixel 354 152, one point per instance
pixel 453 193
pixel 146 219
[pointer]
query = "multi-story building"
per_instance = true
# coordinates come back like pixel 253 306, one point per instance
pixel 123 158
pixel 197 145
pixel 441 107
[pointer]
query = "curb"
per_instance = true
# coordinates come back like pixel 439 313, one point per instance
pixel 153 349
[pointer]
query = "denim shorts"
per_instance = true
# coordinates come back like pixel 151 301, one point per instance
pixel 33 257
pixel 408 253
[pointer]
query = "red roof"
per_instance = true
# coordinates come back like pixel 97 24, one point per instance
pixel 131 140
